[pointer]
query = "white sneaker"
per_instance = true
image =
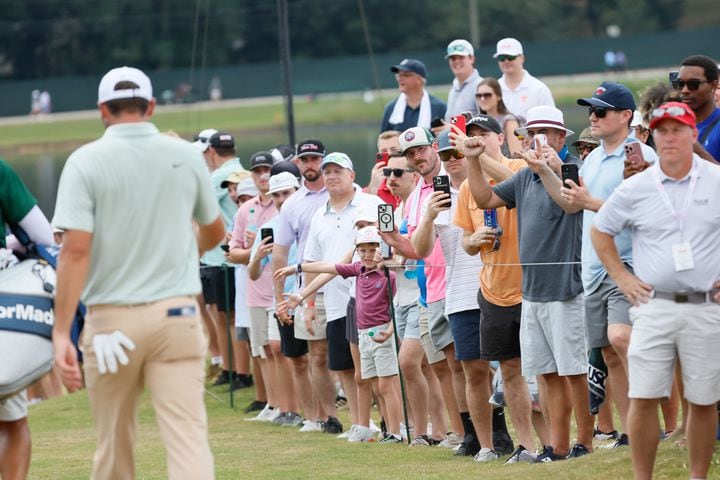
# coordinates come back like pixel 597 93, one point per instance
pixel 311 426
pixel 451 441
pixel 274 413
pixel 374 428
pixel 262 416
pixel 361 434
pixel 485 455
pixel 348 432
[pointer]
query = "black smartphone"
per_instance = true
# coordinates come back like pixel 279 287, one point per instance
pixel 225 247
pixel 441 183
pixel 437 122
pixel 569 171
pixel 265 233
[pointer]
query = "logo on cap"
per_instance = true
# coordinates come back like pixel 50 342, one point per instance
pixel 404 62
pixel 600 90
pixel 308 146
pixel 225 138
pixel 409 136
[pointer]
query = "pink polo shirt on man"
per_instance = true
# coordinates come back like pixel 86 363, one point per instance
pixel 435 262
pixel 260 291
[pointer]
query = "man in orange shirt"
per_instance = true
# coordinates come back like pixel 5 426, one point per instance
pixel 500 294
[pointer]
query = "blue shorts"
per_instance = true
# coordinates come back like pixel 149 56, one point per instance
pixel 465 327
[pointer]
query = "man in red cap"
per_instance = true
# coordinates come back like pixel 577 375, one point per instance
pixel 670 210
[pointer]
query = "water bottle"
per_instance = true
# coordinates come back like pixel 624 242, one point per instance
pixel 410 266
pixel 252 226
pixel 372 332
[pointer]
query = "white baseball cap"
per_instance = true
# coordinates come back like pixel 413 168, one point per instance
pixel 283 181
pixel 508 46
pixel 637 120
pixel 460 47
pixel 247 187
pixel 202 139
pixel 367 235
pixel 107 92
pixel 366 213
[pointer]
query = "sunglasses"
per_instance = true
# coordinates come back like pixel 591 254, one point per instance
pixel 692 84
pixel 671 111
pixel 398 172
pixel 483 95
pixel 448 155
pixel 601 112
pixel 456 49
pixel 509 58
pixel 585 148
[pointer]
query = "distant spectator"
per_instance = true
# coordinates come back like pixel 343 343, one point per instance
pixel 520 90
pixel 415 107
pixel 45 102
pixel 461 59
pixel 609 60
pixel 586 143
pixel 620 61
pixel 215 89
pixel 35 102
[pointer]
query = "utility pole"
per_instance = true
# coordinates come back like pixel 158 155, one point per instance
pixel 284 43
pixel 474 23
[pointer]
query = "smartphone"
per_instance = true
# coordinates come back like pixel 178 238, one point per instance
pixel 225 247
pixel 382 157
pixel 437 122
pixel 633 152
pixel 441 183
pixel 386 250
pixel 386 220
pixel 540 140
pixel 569 171
pixel 265 233
pixel 460 122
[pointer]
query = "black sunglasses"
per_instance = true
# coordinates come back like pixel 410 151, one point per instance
pixel 398 172
pixel 447 155
pixel 692 84
pixel 502 58
pixel 483 95
pixel 601 112
pixel 583 148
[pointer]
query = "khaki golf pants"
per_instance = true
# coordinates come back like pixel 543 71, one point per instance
pixel 170 349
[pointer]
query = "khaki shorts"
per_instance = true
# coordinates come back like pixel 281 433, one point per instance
pixel 663 331
pixel 433 356
pixel 13 407
pixel 377 359
pixel 320 324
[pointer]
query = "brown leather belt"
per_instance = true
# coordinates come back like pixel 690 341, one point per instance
pixel 687 296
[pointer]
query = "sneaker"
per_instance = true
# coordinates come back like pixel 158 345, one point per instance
pixel 548 455
pixel 522 455
pixel 391 438
pixel 485 455
pixel 263 416
pixel 578 450
pixel 292 419
pixel 346 433
pixel 240 381
pixel 274 413
pixel 255 406
pixel 222 379
pixel 451 440
pixel 361 434
pixel 280 419
pixel 374 428
pixel 469 447
pixel 311 426
pixel 502 443
pixel 214 369
pixel 623 441
pixel 602 436
pixel 333 426
pixel 383 426
pixel 420 441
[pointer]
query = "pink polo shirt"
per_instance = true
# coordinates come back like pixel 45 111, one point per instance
pixel 435 262
pixel 260 291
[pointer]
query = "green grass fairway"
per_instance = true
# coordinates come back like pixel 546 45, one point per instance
pixel 63 445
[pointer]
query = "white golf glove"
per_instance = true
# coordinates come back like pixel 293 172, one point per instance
pixel 7 258
pixel 109 351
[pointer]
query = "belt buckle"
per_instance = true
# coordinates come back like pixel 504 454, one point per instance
pixel 681 297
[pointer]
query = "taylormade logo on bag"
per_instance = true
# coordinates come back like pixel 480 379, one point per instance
pixel 27 313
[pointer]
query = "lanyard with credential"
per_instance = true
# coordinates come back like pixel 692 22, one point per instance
pixel 680 216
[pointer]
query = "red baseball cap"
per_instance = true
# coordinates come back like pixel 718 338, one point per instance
pixel 677 111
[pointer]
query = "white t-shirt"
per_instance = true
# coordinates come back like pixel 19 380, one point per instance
pixel 530 93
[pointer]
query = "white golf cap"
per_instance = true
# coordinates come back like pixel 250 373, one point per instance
pixel 202 139
pixel 508 46
pixel 366 213
pixel 107 91
pixel 247 187
pixel 367 235
pixel 283 181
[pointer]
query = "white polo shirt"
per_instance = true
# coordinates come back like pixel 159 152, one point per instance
pixel 637 205
pixel 331 235
pixel 530 93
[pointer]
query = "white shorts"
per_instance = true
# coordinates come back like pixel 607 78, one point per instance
pixel 377 359
pixel 14 407
pixel 663 331
pixel 552 337
pixel 258 331
pixel 273 329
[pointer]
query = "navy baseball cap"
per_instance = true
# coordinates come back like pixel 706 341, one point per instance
pixel 410 65
pixel 610 95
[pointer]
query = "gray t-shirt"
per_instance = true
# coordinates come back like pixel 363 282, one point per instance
pixel 545 234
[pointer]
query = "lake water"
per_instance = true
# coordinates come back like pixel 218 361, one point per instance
pixel 41 172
